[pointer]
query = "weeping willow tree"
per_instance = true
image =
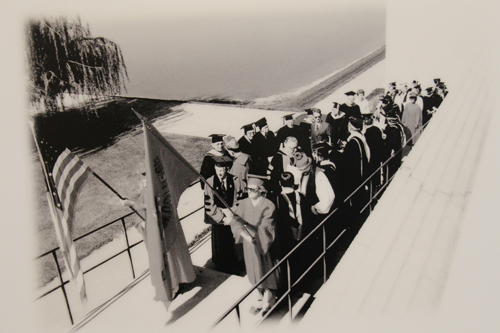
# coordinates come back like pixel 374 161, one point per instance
pixel 64 58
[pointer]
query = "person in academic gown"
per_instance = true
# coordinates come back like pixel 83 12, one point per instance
pixel 292 213
pixel 247 145
pixel 351 109
pixel 354 166
pixel 265 145
pixel 305 122
pixel 289 129
pixel 395 140
pixel 224 252
pixel 282 161
pixel 241 165
pixel 254 226
pixel 375 137
pixel 207 166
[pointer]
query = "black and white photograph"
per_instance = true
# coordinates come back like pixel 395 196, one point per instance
pixel 195 166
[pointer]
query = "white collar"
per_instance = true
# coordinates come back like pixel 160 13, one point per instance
pixel 256 201
pixel 215 152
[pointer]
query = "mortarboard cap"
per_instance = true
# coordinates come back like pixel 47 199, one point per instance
pixel 350 93
pixel 309 111
pixel 288 117
pixel 436 81
pixel 261 122
pixel 335 104
pixel 222 161
pixel 392 84
pixel 256 180
pixel 247 128
pixel 216 137
pixel 429 89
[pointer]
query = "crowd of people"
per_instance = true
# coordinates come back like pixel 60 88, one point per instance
pixel 266 191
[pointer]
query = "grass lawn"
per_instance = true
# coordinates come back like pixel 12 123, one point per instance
pixel 111 143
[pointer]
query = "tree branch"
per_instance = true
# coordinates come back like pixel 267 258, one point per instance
pixel 83 65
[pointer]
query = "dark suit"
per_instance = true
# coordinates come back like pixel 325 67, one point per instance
pixel 324 129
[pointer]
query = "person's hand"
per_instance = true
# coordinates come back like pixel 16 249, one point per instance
pixel 227 212
pixel 226 220
pixel 247 237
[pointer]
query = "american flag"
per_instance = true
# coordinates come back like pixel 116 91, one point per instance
pixel 65 175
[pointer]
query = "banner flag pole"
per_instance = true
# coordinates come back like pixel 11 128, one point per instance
pixel 155 132
pixel 115 192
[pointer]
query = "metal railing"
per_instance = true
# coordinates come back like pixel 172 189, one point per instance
pixel 63 282
pixel 374 194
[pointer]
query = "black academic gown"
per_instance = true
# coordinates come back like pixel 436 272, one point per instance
pixel 350 111
pixel 207 169
pixel 285 131
pixel 378 153
pixel 353 169
pixel 264 147
pixel 394 142
pixel 224 251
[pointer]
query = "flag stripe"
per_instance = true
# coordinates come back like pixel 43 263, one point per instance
pixel 60 165
pixel 71 190
pixel 69 174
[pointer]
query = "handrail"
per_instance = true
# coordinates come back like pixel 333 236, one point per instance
pixel 63 282
pixel 387 180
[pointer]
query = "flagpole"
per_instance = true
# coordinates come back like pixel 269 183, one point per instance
pixel 114 191
pixel 45 173
pixel 144 120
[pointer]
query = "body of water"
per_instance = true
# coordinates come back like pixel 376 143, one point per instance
pixel 241 56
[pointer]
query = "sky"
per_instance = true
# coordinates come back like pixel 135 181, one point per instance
pixel 202 49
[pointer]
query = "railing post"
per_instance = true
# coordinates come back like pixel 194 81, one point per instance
pixel 289 289
pixel 128 248
pixel 324 252
pixel 370 186
pixel 238 315
pixel 62 286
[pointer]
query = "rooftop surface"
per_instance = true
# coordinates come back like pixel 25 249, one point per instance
pixel 398 266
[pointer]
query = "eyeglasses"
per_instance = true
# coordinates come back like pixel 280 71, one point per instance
pixel 252 189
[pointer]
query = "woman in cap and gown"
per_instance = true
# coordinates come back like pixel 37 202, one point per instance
pixel 254 225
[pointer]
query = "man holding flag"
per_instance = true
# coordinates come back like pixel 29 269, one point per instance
pixel 167 174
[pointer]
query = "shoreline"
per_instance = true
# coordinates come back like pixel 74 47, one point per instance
pixel 294 100
pixel 301 98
